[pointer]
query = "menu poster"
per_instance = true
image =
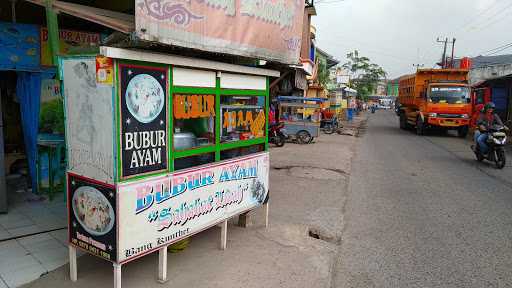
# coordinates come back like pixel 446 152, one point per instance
pixel 92 217
pixel 143 120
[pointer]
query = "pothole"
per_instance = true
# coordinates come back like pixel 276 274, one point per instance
pixel 317 234
pixel 313 172
pixel 313 235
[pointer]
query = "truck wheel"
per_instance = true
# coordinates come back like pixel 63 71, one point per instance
pixel 403 121
pixel 420 128
pixel 462 132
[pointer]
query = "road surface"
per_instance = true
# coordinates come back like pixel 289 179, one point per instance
pixel 423 213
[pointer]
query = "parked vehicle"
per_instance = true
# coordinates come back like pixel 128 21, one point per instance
pixel 301 119
pixel 330 125
pixel 435 98
pixel 496 142
pixel 397 108
pixel 275 134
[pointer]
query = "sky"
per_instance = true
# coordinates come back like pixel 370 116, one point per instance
pixel 399 33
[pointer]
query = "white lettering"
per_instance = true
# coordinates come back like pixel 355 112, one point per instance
pixel 157 155
pixel 134 163
pixel 128 141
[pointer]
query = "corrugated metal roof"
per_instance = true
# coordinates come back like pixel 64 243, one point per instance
pixel 117 21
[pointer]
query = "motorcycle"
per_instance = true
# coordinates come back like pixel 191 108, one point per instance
pixel 496 142
pixel 275 134
pixel 330 125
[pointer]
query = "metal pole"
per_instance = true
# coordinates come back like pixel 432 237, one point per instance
pixel 453 52
pixel 444 52
pixel 443 63
pixel 13 10
pixel 3 189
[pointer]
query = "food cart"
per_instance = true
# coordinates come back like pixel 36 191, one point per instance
pixel 160 148
pixel 301 117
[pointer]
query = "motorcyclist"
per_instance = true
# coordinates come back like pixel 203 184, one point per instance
pixel 486 120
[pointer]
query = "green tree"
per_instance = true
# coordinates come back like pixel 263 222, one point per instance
pixel 367 74
pixel 323 73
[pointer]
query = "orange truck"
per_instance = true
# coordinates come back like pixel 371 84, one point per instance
pixel 435 98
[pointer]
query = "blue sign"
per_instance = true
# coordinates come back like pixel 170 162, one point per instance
pixel 19 46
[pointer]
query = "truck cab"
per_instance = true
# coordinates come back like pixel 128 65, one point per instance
pixel 448 105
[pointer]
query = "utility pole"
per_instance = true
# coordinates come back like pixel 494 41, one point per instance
pixel 418 66
pixel 453 51
pixel 443 63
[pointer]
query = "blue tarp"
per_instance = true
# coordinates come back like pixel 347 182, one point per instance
pixel 28 92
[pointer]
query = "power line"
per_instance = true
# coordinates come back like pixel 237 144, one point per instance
pixel 485 23
pixel 497 48
pixel 502 49
pixel 472 19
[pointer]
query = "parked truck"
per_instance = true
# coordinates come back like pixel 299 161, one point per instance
pixel 435 98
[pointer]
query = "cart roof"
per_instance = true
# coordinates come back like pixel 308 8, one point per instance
pixel 182 61
pixel 297 98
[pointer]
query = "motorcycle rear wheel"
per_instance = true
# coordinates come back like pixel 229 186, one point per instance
pixel 500 160
pixel 280 140
pixel 328 129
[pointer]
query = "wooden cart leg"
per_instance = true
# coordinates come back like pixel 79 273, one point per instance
pixel 162 265
pixel 223 234
pixel 117 275
pixel 266 214
pixel 72 263
pixel 244 220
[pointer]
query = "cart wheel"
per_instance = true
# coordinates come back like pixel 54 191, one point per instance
pixel 303 137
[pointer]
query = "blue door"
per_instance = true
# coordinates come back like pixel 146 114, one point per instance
pixel 500 99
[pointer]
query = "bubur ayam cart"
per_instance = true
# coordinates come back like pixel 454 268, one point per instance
pixel 160 147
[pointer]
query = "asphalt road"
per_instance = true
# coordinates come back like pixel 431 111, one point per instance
pixel 422 212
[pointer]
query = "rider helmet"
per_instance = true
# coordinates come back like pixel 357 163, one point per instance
pixel 489 105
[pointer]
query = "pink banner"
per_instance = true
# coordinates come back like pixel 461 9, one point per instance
pixel 263 29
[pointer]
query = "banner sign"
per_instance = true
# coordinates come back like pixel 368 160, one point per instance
pixel 143 119
pixel 71 42
pixel 92 217
pixel 159 211
pixel 263 29
pixel 19 46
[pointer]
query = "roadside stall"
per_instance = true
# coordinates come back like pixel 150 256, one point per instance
pixel 301 117
pixel 160 148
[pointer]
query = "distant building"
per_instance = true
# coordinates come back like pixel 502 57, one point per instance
pixel 392 88
pixel 489 67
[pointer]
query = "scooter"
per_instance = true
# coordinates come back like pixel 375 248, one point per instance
pixel 496 142
pixel 275 135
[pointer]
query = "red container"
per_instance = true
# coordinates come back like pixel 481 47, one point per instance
pixel 465 63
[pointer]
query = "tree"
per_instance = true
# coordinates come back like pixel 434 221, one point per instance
pixel 367 74
pixel 323 73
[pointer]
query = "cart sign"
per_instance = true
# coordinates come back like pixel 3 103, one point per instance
pixel 92 217
pixel 143 119
pixel 159 211
pixel 263 29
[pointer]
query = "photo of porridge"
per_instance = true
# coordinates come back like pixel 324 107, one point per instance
pixel 93 210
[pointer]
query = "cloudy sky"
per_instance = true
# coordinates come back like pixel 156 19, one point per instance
pixel 399 33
